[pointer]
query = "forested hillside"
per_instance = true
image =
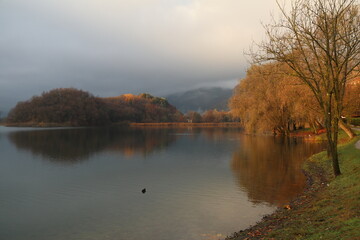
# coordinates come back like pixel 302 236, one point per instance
pixel 141 108
pixel 65 105
pixel 69 106
pixel 201 99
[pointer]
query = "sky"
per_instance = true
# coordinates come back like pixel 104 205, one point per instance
pixel 112 47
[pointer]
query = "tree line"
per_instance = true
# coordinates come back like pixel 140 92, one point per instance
pixel 210 116
pixel 73 107
pixel 141 108
pixel 79 108
pixel 318 41
pixel 268 100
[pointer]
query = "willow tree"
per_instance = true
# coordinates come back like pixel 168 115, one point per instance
pixel 269 101
pixel 320 41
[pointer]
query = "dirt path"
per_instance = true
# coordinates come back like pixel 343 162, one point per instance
pixel 357 144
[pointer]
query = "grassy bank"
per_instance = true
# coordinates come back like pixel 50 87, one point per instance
pixel 328 209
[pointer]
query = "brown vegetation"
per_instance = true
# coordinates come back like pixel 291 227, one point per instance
pixel 352 99
pixel 72 107
pixel 65 105
pixel 320 42
pixel 141 108
pixel 269 101
pixel 210 116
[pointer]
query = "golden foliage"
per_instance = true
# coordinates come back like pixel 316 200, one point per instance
pixel 269 99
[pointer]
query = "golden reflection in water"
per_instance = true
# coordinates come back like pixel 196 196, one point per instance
pixel 217 134
pixel 269 169
pixel 141 141
pixel 75 145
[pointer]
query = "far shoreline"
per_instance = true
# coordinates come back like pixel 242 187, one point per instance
pixel 186 124
pixel 130 124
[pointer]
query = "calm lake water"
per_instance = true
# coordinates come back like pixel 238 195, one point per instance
pixel 85 184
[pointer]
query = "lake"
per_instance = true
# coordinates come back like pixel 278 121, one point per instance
pixel 86 183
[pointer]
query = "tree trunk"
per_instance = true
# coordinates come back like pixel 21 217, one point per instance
pixel 335 159
pixel 346 129
pixel 334 152
pixel 313 124
pixel 332 130
pixel 319 125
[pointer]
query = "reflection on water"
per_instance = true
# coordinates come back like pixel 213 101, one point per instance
pixel 269 168
pixel 74 145
pixel 188 173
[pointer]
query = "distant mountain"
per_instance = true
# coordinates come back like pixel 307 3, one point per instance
pixel 201 99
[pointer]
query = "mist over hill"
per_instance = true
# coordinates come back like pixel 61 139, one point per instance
pixel 201 99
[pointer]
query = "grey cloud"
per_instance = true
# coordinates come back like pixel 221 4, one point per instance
pixel 113 47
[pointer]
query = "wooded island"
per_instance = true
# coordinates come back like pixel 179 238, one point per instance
pixel 73 107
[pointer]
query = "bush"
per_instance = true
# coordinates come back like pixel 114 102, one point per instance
pixel 64 105
pixel 355 121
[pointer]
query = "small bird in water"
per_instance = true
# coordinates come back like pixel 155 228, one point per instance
pixel 144 190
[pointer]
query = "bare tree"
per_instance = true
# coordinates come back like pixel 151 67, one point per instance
pixel 320 41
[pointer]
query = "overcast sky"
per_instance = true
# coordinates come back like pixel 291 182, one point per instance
pixel 111 47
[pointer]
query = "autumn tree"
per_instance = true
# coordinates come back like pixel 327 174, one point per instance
pixel 141 108
pixel 63 105
pixel 267 100
pixel 320 41
pixel 352 99
pixel 193 117
pixel 210 116
pixel 215 116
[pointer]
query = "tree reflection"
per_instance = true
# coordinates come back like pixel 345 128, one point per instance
pixel 75 145
pixel 269 169
pixel 143 141
pixel 219 133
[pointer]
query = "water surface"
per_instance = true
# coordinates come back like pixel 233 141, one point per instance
pixel 86 183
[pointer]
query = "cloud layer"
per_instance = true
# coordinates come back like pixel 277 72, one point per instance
pixel 110 47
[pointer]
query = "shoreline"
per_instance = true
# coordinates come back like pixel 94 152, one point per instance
pixel 315 182
pixel 288 219
pixel 130 124
pixel 186 124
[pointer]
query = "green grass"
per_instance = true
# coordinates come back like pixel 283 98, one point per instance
pixel 355 121
pixel 342 137
pixel 304 130
pixel 334 211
